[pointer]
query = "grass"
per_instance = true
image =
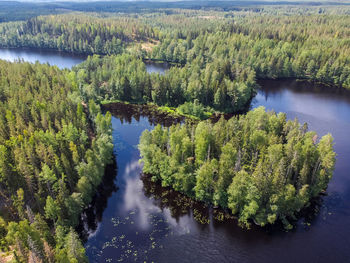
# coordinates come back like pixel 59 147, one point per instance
pixel 104 102
pixel 176 111
pixel 173 111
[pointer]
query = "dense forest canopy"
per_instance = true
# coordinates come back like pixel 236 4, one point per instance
pixel 314 47
pixel 53 150
pixel 28 9
pixel 218 54
pixel 260 166
pixel 282 43
pixel 218 84
pixel 55 143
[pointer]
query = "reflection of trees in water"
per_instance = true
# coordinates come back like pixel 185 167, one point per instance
pixel 322 208
pixel 92 215
pixel 275 87
pixel 165 197
pixel 126 112
pixel 180 205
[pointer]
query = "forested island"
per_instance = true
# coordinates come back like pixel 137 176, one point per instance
pixel 55 142
pixel 260 166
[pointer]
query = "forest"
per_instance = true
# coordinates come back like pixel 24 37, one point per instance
pixel 29 9
pixel 54 148
pixel 55 142
pixel 269 43
pixel 215 61
pixel 259 165
pixel 124 78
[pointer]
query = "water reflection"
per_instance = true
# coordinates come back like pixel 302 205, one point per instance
pixel 128 112
pixel 135 200
pixel 146 222
pixel 311 100
pixel 59 59
pixel 178 204
pixel 92 215
pixel 157 67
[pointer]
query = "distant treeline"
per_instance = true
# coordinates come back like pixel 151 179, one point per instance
pixel 26 10
pixel 314 47
pixel 272 44
pixel 75 33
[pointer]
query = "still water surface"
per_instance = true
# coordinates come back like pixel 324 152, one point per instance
pixel 59 59
pixel 134 219
pixel 63 59
pixel 142 221
pixel 156 67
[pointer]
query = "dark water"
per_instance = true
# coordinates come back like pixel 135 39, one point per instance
pixel 62 59
pixel 156 67
pixel 59 59
pixel 145 222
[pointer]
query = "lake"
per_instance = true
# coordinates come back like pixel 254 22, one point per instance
pixel 59 59
pixel 133 219
pixel 63 59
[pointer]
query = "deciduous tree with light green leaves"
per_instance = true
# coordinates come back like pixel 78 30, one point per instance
pixel 259 165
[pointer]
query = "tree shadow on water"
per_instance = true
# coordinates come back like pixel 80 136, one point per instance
pixel 92 215
pixel 219 219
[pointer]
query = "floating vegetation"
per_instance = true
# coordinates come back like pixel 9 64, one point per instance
pixel 135 246
pixel 134 243
pixel 219 216
pixel 199 217
pixel 125 111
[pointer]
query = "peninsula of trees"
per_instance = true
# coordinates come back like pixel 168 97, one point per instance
pixel 53 149
pixel 260 166
pixel 219 85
